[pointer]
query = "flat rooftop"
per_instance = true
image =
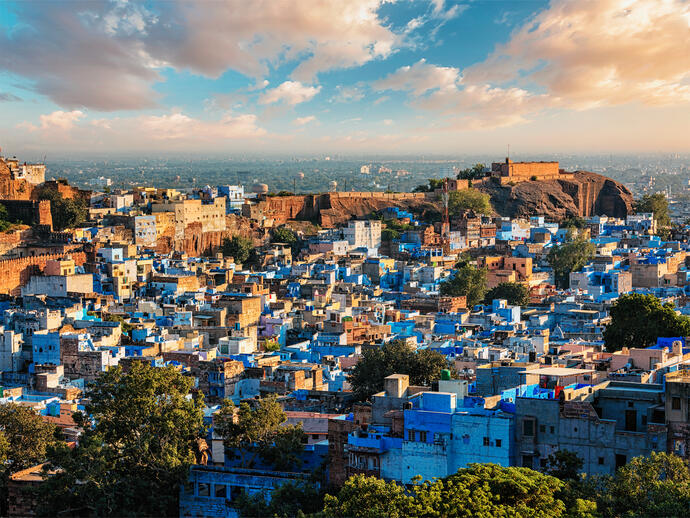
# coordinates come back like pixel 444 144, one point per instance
pixel 560 372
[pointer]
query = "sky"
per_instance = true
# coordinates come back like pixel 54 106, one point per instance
pixel 335 76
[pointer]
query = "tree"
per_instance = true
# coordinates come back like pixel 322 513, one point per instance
pixel 4 219
pixel 658 485
pixel 238 247
pixel 140 433
pixel 368 497
pixel 469 281
pixel 574 222
pixel 389 234
pixel 469 199
pixel 638 320
pixel 430 187
pixel 66 213
pixel 656 203
pixel 284 235
pixel 571 256
pixel 515 293
pixel 260 431
pixel 471 173
pixel 395 357
pixel 287 500
pixel 24 440
pixel 564 465
pixel 479 490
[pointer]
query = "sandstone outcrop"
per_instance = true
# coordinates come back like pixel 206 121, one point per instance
pixel 586 194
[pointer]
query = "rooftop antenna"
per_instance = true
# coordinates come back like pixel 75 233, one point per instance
pixel 508 155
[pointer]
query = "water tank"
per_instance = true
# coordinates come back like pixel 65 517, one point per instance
pixel 260 188
pixel 445 374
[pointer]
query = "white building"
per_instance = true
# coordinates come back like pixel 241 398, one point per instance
pixel 363 234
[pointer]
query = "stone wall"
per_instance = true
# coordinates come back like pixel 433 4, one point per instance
pixel 14 273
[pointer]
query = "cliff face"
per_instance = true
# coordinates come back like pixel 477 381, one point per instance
pixel 576 194
pixel 586 194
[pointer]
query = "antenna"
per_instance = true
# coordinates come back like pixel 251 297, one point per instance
pixel 508 155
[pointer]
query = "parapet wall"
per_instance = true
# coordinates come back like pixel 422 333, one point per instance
pixel 15 273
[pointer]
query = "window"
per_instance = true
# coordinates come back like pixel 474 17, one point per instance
pixel 675 403
pixel 542 428
pixel 486 441
pixel 620 460
pixel 219 490
pixel 422 436
pixel 528 427
pixel 498 443
pixel 551 429
pixel 601 461
pixel 204 489
pixel 410 435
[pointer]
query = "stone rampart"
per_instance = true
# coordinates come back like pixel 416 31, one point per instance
pixel 15 273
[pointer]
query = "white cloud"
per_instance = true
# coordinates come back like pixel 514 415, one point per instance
pixel 420 78
pixel 590 53
pixel 289 92
pixel 302 121
pixel 107 55
pixel 57 120
pixel 348 94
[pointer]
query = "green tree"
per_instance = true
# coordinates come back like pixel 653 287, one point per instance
pixel 654 486
pixel 469 199
pixel 656 203
pixel 24 440
pixel 638 320
pixel 469 281
pixel 238 247
pixel 564 465
pixel 288 500
pixel 515 293
pixel 389 234
pixel 480 490
pixel 284 235
pixel 571 256
pixel 140 433
pixel 395 357
pixel 369 497
pixel 4 219
pixel 66 213
pixel 471 173
pixel 574 222
pixel 430 187
pixel 260 431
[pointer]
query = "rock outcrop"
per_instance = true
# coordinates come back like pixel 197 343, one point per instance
pixel 576 194
pixel 586 194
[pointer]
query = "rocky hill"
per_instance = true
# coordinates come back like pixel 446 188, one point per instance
pixel 576 194
pixel 586 194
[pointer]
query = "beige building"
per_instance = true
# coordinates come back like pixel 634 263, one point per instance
pixel 210 215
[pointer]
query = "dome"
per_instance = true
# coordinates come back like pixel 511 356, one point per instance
pixel 260 188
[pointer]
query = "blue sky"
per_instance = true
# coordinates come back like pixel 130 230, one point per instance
pixel 292 76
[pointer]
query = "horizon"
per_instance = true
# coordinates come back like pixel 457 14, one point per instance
pixel 366 78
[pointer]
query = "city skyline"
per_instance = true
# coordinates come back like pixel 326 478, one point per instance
pixel 363 76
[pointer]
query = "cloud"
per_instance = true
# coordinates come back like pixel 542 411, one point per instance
pixel 289 92
pixel 590 53
pixel 107 55
pixel 574 55
pixel 8 97
pixel 347 94
pixel 301 121
pixel 57 120
pixel 419 78
pixel 177 126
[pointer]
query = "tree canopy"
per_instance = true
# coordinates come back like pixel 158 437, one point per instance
pixel 429 187
pixel 260 431
pixel 469 199
pixel 638 320
pixel 469 281
pixel 571 256
pixel 656 203
pixel 658 485
pixel 284 235
pixel 395 357
pixel 239 248
pixel 24 441
pixel 514 293
pixel 140 432
pixel 478 490
pixel 66 213
pixel 471 173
